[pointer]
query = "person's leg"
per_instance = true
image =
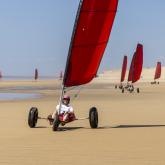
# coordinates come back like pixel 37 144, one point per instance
pixel 71 117
pixel 65 118
pixel 54 114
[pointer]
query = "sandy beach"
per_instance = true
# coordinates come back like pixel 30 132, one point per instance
pixel 131 126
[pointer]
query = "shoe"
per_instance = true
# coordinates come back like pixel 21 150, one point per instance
pixel 50 119
pixel 63 124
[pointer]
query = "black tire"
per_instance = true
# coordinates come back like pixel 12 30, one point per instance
pixel 138 90
pixel 115 86
pixel 33 117
pixel 131 88
pixel 56 123
pixel 158 82
pixel 93 117
pixel 123 90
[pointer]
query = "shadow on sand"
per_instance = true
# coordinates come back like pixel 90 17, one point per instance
pixel 130 126
pixel 104 127
pixel 41 127
pixel 69 128
pixel 137 126
pixel 60 128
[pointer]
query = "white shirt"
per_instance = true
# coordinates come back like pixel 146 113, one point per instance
pixel 64 108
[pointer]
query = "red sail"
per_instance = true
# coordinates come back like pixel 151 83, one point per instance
pixel 124 68
pixel 138 63
pixel 158 71
pixel 36 74
pixel 131 68
pixel 89 39
pixel 0 74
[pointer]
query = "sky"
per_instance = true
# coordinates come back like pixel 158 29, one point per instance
pixel 37 33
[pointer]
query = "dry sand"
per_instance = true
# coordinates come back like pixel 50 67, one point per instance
pixel 131 126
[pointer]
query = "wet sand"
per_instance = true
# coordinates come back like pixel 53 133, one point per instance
pixel 131 126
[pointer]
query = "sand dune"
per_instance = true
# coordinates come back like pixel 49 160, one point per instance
pixel 131 126
pixel 114 75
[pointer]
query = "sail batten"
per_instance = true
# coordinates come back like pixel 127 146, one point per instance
pixel 90 45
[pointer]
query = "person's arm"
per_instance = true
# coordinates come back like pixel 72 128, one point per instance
pixel 71 110
pixel 55 112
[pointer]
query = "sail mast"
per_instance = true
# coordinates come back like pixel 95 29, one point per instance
pixel 69 54
pixel 71 43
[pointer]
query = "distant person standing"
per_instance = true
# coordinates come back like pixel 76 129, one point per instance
pixel 36 74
